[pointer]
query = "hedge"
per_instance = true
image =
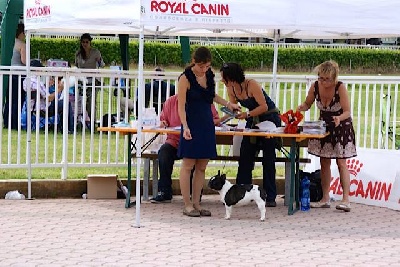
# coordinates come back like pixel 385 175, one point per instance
pixel 254 58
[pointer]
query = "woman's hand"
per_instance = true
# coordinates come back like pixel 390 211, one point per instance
pixel 336 120
pixel 233 106
pixel 186 134
pixel 303 107
pixel 163 124
pixel 242 115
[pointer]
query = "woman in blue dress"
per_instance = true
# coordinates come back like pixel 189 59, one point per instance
pixel 196 91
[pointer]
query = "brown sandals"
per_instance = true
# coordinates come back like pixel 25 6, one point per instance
pixel 192 213
pixel 205 213
pixel 197 213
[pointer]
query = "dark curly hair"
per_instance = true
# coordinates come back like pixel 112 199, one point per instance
pixel 232 72
pixel 201 55
pixel 20 29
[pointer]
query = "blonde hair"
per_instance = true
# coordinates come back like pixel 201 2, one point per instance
pixel 330 68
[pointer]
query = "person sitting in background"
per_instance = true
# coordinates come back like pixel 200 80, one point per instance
pixel 167 154
pixel 151 89
pixel 49 101
pixel 159 88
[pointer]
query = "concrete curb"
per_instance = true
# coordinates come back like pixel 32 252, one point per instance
pixel 52 188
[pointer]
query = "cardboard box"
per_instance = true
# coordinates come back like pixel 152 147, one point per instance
pixel 102 186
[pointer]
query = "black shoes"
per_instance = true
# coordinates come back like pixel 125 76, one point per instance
pixel 161 198
pixel 270 203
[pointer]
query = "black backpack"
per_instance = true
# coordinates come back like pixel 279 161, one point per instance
pixel 113 117
pixel 315 184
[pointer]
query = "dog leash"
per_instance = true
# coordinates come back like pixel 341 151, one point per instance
pixel 223 167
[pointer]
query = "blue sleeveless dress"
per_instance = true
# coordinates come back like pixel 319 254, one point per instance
pixel 199 119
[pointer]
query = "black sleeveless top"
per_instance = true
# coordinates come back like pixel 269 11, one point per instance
pixel 250 103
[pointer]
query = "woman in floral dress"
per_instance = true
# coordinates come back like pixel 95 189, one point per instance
pixel 331 98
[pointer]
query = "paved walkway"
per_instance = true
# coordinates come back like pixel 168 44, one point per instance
pixel 78 232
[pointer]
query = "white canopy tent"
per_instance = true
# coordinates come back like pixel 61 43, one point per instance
pixel 267 18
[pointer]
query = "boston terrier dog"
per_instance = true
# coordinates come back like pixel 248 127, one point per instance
pixel 236 194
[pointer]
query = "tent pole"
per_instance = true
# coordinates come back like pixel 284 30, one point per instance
pixel 139 125
pixel 28 111
pixel 277 34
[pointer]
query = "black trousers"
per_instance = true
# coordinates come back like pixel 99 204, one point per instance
pixel 13 102
pixel 248 151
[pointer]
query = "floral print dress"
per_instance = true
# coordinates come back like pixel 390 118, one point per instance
pixel 340 143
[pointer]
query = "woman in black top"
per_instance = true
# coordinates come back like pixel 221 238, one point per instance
pixel 260 107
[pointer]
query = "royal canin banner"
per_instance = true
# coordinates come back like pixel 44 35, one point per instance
pixel 374 178
pixel 226 14
pixel 82 16
pixel 310 19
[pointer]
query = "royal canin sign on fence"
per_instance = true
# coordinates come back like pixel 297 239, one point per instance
pixel 374 178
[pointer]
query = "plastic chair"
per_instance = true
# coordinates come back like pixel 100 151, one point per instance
pixel 393 133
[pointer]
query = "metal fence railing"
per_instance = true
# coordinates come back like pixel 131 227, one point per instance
pixel 374 103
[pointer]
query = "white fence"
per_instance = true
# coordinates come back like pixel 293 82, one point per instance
pixel 373 114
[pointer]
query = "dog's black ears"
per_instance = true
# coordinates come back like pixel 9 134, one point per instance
pixel 223 176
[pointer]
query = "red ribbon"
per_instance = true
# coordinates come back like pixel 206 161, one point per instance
pixel 291 120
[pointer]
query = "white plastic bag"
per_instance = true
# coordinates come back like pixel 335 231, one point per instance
pixel 237 139
pixel 14 195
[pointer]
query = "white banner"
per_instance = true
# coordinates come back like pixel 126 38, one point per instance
pixel 103 16
pixel 374 178
pixel 218 18
pixel 224 14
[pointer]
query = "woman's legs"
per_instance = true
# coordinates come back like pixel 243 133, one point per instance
pixel 246 161
pixel 344 178
pixel 184 182
pixel 269 171
pixel 325 178
pixel 198 181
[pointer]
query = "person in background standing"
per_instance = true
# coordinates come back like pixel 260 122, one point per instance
pixel 197 143
pixel 331 98
pixel 88 57
pixel 252 96
pixel 18 59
